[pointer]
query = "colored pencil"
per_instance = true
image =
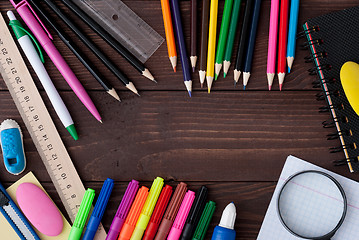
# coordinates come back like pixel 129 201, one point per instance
pixel 292 34
pixel 223 34
pixel 282 41
pixel 251 42
pixel 181 45
pixel 231 36
pixel 238 68
pixel 193 56
pixel 272 42
pixel 212 43
pixel 204 41
pixel 170 37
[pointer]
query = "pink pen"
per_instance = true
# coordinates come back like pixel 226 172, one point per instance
pixel 43 36
pixel 180 220
pixel 272 42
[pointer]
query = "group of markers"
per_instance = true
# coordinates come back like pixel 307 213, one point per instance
pixel 211 58
pixel 148 215
pixel 39 32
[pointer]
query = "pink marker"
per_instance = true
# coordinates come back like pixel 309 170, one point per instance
pixel 272 42
pixel 180 220
pixel 43 36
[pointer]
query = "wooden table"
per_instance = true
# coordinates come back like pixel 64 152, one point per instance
pixel 233 141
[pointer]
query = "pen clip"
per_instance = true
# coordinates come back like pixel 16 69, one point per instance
pixel 14 24
pixel 25 3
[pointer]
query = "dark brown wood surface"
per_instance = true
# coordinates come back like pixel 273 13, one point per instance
pixel 233 141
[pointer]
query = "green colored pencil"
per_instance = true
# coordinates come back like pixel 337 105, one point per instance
pixel 231 36
pixel 204 221
pixel 223 33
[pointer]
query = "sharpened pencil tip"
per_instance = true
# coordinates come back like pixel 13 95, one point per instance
pixel 174 69
pixel 209 90
pixel 190 93
pixel 201 85
pixel 269 87
pixel 280 87
pixel 154 80
pixel 288 70
pixel 193 69
pixel 244 87
pixel 100 121
pixel 138 94
pixel 224 75
pixel 235 83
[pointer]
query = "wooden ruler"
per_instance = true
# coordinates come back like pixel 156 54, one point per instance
pixel 40 125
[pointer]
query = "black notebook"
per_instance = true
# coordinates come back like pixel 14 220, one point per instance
pixel 333 39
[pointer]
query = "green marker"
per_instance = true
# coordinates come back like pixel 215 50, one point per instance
pixel 82 215
pixel 231 36
pixel 203 223
pixel 223 33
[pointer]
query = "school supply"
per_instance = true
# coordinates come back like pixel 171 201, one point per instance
pixel 331 45
pixel 282 41
pixel 193 27
pixel 170 37
pixel 223 34
pixel 158 213
pixel 171 211
pixel 43 36
pixel 231 36
pixel 82 214
pixel 211 43
pixel 349 77
pixel 272 227
pixel 225 228
pixel 133 215
pixel 77 52
pixel 122 211
pixel 98 210
pixel 204 42
pixel 124 25
pixel 272 42
pixel 195 213
pixel 36 62
pixel 122 50
pixel 181 217
pixel 204 221
pixel 292 33
pixel 147 209
pixel 12 147
pixel 181 45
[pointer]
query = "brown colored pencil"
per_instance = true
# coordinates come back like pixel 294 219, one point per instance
pixel 193 55
pixel 204 41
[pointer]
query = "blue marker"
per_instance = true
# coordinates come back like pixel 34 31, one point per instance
pixel 292 33
pixel 225 229
pixel 99 210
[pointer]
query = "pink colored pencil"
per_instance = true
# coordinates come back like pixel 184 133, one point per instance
pixel 272 42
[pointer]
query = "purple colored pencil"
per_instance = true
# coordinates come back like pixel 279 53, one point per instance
pixel 181 45
pixel 122 211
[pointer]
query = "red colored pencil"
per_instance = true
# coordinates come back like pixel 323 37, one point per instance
pixel 282 41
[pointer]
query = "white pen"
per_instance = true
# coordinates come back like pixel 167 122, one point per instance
pixel 39 68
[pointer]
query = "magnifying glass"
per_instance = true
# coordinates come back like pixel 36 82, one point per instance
pixel 312 205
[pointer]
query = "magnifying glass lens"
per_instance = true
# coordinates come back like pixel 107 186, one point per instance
pixel 311 205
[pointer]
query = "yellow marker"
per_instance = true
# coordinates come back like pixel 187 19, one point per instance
pixel 148 209
pixel 212 43
pixel 349 76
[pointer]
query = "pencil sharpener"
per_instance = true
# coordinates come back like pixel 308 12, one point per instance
pixel 12 147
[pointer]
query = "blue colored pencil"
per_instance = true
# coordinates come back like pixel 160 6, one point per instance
pixel 181 45
pixel 251 42
pixel 292 34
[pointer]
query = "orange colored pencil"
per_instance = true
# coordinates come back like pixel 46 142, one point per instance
pixel 170 38
pixel 134 213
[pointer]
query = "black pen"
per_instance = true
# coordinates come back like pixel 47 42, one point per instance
pixel 195 214
pixel 110 40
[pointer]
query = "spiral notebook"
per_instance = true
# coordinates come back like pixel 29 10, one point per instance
pixel 333 39
pixel 272 228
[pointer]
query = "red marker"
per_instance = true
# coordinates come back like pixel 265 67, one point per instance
pixel 158 213
pixel 282 42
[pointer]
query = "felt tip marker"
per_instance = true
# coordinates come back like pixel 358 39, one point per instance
pixel 225 229
pixel 204 222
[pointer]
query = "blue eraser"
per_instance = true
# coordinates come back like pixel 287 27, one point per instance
pixel 12 147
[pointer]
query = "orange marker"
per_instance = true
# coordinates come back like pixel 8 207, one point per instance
pixel 170 38
pixel 134 213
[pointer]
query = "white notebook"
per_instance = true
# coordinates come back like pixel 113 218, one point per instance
pixel 272 227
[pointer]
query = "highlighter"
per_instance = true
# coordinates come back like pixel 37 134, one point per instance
pixel 225 229
pixel 98 210
pixel 158 213
pixel 148 209
pixel 135 211
pixel 180 220
pixel 82 215
pixel 204 222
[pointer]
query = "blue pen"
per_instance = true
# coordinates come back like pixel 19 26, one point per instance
pixel 292 34
pixel 98 210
